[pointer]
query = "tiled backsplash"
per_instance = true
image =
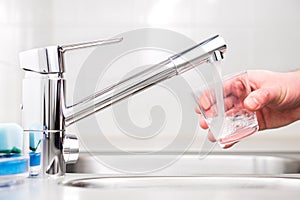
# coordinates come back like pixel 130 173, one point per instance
pixel 259 34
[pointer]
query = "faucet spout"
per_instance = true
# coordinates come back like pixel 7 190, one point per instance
pixel 210 50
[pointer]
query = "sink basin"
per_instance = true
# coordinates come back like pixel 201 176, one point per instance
pixel 189 176
pixel 199 187
pixel 185 165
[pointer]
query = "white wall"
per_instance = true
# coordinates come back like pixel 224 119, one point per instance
pixel 260 34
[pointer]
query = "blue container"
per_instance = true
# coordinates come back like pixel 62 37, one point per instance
pixel 13 169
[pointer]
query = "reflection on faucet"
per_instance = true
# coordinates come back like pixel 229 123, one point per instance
pixel 44 93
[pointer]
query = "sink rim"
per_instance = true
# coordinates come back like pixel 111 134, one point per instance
pixel 265 163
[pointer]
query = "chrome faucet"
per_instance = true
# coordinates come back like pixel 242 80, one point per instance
pixel 44 103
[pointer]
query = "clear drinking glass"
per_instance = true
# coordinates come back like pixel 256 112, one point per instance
pixel 237 122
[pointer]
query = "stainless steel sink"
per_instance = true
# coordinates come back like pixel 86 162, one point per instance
pixel 185 165
pixel 189 176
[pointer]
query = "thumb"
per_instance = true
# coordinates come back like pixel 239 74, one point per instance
pixel 261 97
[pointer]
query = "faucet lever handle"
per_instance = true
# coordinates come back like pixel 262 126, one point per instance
pixel 49 60
pixel 69 47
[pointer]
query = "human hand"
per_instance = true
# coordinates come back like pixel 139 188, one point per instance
pixel 275 98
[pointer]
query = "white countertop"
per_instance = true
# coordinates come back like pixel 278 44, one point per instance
pixel 49 188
